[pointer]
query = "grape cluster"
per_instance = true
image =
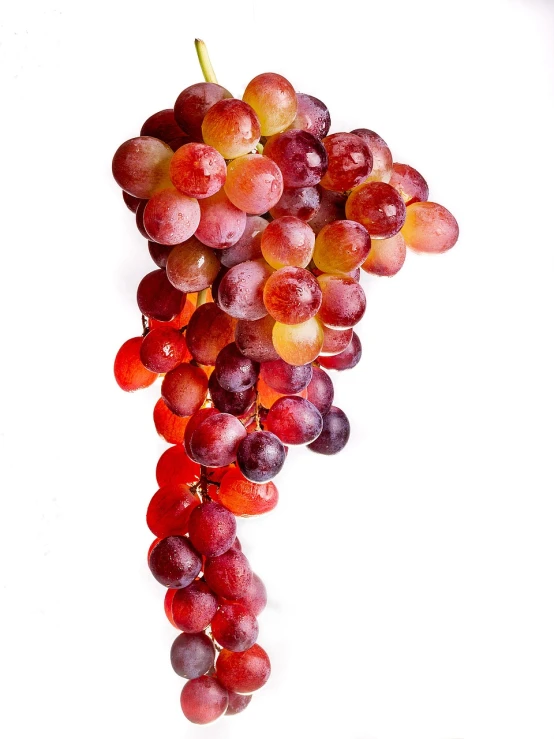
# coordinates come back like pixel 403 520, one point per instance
pixel 259 222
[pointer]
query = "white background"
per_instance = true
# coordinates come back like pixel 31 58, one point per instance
pixel 411 577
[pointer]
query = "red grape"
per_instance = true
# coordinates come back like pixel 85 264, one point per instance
pixel 228 575
pixel 409 183
pixel 300 156
pixel 331 208
pixel 229 402
pixel 197 170
pixel 267 396
pixel 129 371
pixel 311 115
pixel 321 391
pixel 215 441
pixel 192 608
pixel 192 655
pixel 254 183
pixel 168 425
pixel 382 158
pixel 191 266
pixel 157 297
pixel 174 563
pixel 248 247
pixel 350 161
pixel 234 627
pixel 346 359
pixel 343 303
pixel 139 218
pixel 169 510
pixel 335 340
pixel 260 456
pixel 163 126
pixel 255 598
pixel 209 330
pixel 162 349
pixel 194 102
pixel 298 344
pixel 292 295
pixel 231 127
pixel 221 223
pixel 386 256
pixel 131 202
pixel 159 253
pixel 234 371
pixel 288 241
pixel 294 420
pixel 237 703
pixel 141 166
pixel 204 700
pixel 243 672
pixel 378 207
pixel 241 291
pixel 171 217
pixel 300 202
pixel 254 339
pixel 274 100
pixel 335 433
pixel 430 228
pixel 195 421
pixel 341 247
pixel 212 529
pixel 175 467
pixel 184 389
pixel 286 378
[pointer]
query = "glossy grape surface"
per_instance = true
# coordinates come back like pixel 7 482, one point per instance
pixel 311 115
pixel 184 389
pixel 341 247
pixel 234 627
pixel 288 242
pixel 286 378
pixel 294 420
pixel 241 291
pixel 192 266
pixel 168 425
pixel 321 391
pixel 234 371
pixel 175 467
pixel 195 420
pixel 335 340
pixel 248 246
pixel 221 223
pixel 157 297
pixel 260 456
pixel 130 201
pixel 129 371
pixel 228 575
pixel 209 330
pixel 212 529
pixel 215 441
pixel 347 359
pixel 162 125
pixel 292 295
pixel 192 655
pixel 350 161
pixel 430 228
pixel 243 672
pixel 235 403
pixel 204 700
pixel 192 608
pixel 169 510
pixel 194 102
pixel 300 156
pixel 343 303
pixel 171 217
pixel 386 256
pixel 231 127
pixel 255 339
pixel 174 563
pixel 274 100
pixel 255 597
pixel 237 703
pixel 300 202
pixel 254 183
pixel 378 207
pixel 141 166
pixel 162 349
pixel 410 183
pixel 331 208
pixel 298 344
pixel 335 433
pixel 197 170
pixel 382 157
pixel 267 396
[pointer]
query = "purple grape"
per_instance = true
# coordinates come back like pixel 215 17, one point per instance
pixel 192 655
pixel 335 433
pixel 234 371
pixel 260 456
pixel 294 420
pixel 286 378
pixel 234 403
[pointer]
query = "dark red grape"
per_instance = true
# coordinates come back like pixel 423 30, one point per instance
pixel 346 359
pixel 255 597
pixel 300 156
pixel 212 529
pixel 255 339
pixel 378 207
pixel 237 703
pixel 335 433
pixel 194 422
pixel 193 607
pixel 350 161
pixel 140 218
pixel 162 125
pixel 234 403
pixel 192 655
pixel 193 103
pixel 157 297
pixel 159 253
pixel 174 563
pixel 234 627
pixel 215 441
pixel 209 330
pixel 228 575
pixel 184 389
pixel 169 510
pixel 241 291
pixel 234 371
pixel 248 247
pixel 286 378
pixel 311 115
pixel 163 349
pixel 294 420
pixel 243 672
pixel 321 391
pixel 331 208
pixel 300 202
pixel 261 456
pixel 131 202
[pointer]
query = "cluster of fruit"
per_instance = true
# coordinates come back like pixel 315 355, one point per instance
pixel 259 222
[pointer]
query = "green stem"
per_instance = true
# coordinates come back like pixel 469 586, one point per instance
pixel 202 297
pixel 204 59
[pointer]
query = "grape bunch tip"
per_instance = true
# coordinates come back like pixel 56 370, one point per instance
pixel 259 222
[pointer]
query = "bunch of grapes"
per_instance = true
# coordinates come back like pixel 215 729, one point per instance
pixel 259 222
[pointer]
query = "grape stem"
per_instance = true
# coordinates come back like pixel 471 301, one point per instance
pixel 202 297
pixel 204 59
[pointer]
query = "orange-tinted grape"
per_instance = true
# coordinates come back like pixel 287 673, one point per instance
pixel 347 359
pixel 350 161
pixel 221 223
pixel 274 100
pixel 248 247
pixel 174 467
pixel 197 170
pixel 386 256
pixel 141 166
pixel 169 510
pixel 311 115
pixel 184 389
pixel 192 266
pixel 243 672
pixel 331 208
pixel 300 202
pixel 171 217
pixel 321 391
pixel 255 340
pixel 192 655
pixel 241 291
pixel 174 563
pixel 288 241
pixel 254 183
pixel 192 608
pixel 382 157
pixel 234 627
pixel 343 303
pixel 430 228
pixel 409 183
pixel 163 126
pixel 292 295
pixel 215 440
pixel 168 425
pixel 300 156
pixel 162 349
pixel 231 127
pixel 157 297
pixel 129 371
pixel 341 247
pixel 209 330
pixel 335 340
pixel 294 420
pixel 228 575
pixel 298 344
pixel 245 498
pixel 335 433
pixel 378 207
pixel 204 700
pixel 194 102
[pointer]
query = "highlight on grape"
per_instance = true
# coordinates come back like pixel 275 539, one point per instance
pixel 258 221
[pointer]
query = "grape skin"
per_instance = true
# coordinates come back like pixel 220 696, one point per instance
pixel 157 297
pixel 288 242
pixel 197 170
pixel 292 295
pixel 221 223
pixel 192 266
pixel 300 156
pixel 129 371
pixel 215 441
pixel 386 256
pixel 204 700
pixel 294 420
pixel 274 100
pixel 171 217
pixel 194 102
pixel 241 291
pixel 254 183
pixel 260 456
pixel 409 183
pixel 243 672
pixel 169 510
pixel 298 344
pixel 300 202
pixel 231 127
pixel 184 389
pixel 286 378
pixel 141 166
pixel 248 247
pixel 192 655
pixel 192 608
pixel 254 339
pixel 209 330
pixel 311 115
pixel 347 359
pixel 335 433
pixel 174 563
pixel 378 207
pixel 430 228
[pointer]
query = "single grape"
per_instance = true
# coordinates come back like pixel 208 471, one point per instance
pixel 341 247
pixel 260 456
pixel 288 242
pixel 129 371
pixel 168 425
pixel 331 208
pixel 294 420
pixel 244 497
pixel 169 510
pixel 267 396
pixel 347 359
pixel 163 126
pixel 386 256
pixel 430 228
pixel 174 563
pixel 184 389
pixel 234 403
pixel 228 575
pixel 300 156
pixel 212 529
pixel 174 467
pixel 162 349
pixel 131 202
pixel 254 339
pixel 209 330
pixel 234 627
pixel 234 371
pixel 231 127
pixel 221 223
pixel 197 170
pixel 215 441
pixel 194 102
pixel 159 253
pixel 350 161
pixel 243 672
pixel 204 700
pixel 255 597
pixel 192 608
pixel 171 217
pixel 298 344
pixel 300 202
pixel 192 655
pixel 192 266
pixel 254 183
pixel 311 115
pixel 286 378
pixel 195 420
pixel 343 303
pixel 335 433
pixel 321 391
pixel 292 295
pixel 141 166
pixel 237 703
pixel 157 297
pixel 274 100
pixel 241 291
pixel 378 207
pixel 335 340
pixel 409 183
pixel 248 246
pixel 382 157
